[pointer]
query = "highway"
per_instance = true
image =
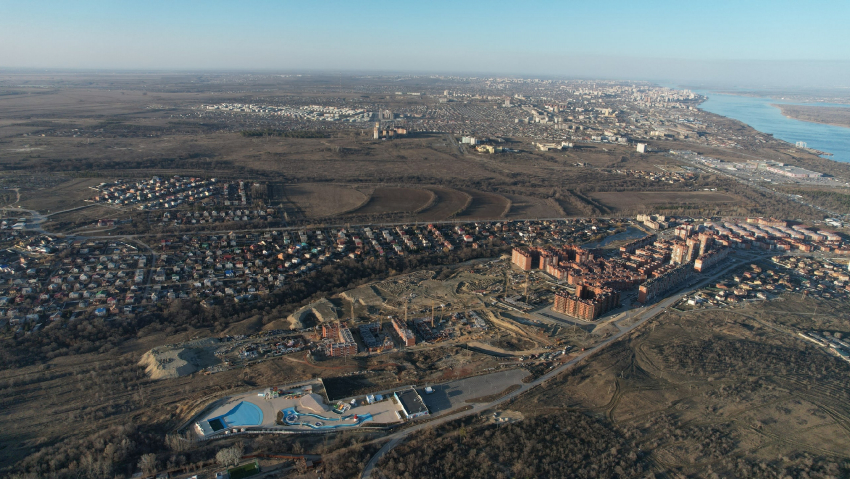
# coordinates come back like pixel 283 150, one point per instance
pixel 643 316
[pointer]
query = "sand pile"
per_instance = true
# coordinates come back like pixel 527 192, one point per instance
pixel 323 309
pixel 364 295
pixel 175 360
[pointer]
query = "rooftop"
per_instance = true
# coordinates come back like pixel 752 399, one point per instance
pixel 411 402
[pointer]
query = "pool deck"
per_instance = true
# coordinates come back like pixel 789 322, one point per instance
pixel 381 413
pixel 294 418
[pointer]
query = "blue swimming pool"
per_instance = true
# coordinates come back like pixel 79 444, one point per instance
pixel 292 417
pixel 244 414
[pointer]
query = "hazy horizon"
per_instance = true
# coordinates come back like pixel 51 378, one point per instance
pixel 750 45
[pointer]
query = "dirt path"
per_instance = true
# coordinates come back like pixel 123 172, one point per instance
pixel 504 352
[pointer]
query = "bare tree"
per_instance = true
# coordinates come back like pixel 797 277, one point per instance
pixel 177 443
pixel 148 464
pixel 229 456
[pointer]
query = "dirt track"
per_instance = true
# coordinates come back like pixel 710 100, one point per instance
pixel 447 203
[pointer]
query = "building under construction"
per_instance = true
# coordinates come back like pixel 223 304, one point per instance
pixel 404 333
pixel 373 339
pixel 338 340
pixel 588 303
pixel 389 132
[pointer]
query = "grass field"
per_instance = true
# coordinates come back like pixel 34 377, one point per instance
pixel 622 200
pixel 446 203
pixel 395 200
pixel 531 207
pixel 484 205
pixel 320 200
pixel 66 195
pixel 245 470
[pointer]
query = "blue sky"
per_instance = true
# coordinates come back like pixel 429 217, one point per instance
pixel 677 40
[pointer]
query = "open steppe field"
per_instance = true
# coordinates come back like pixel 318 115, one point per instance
pixel 485 205
pixel 127 145
pixel 708 388
pixel 84 218
pixel 611 156
pixel 619 200
pixel 524 207
pixel 68 194
pixel 61 104
pixel 446 203
pixel 321 200
pixel 396 200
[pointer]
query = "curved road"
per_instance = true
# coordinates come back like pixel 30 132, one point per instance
pixel 643 316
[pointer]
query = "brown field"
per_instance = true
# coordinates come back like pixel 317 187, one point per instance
pixel 395 200
pixel 569 208
pixel 484 205
pixel 620 200
pixel 82 218
pixel 523 207
pixel 319 200
pixel 65 195
pixel 706 386
pixel 446 203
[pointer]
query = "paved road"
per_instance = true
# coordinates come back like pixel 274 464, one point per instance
pixel 642 316
pixel 79 208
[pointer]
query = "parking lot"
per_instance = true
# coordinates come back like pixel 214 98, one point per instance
pixel 456 393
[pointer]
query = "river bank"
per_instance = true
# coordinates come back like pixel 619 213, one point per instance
pixel 827 115
pixel 762 114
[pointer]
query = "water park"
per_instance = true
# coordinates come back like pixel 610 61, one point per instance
pixel 293 408
pixel 243 414
pixel 292 417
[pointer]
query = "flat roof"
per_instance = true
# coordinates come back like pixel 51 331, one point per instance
pixel 411 402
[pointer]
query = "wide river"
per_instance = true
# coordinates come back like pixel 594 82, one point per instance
pixel 759 114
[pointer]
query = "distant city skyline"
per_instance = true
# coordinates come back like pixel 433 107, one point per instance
pixel 747 44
